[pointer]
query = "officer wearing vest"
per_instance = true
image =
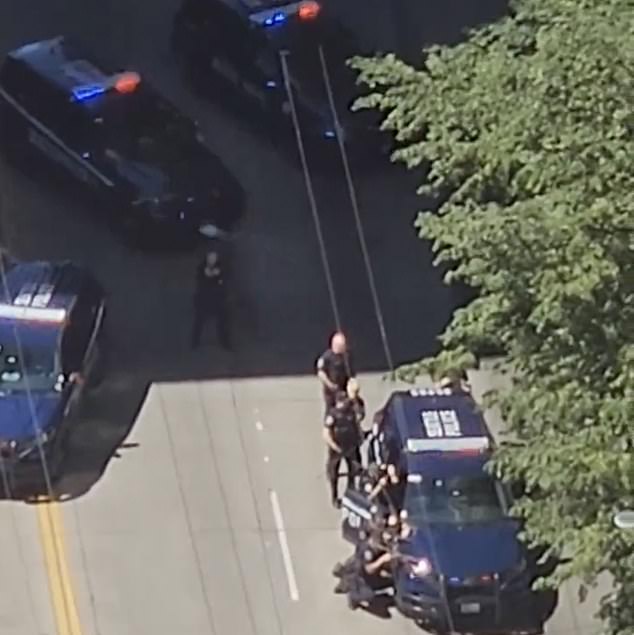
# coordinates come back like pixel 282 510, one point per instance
pixel 343 437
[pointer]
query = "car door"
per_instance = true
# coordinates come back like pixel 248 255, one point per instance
pixel 91 316
pixel 60 132
pixel 356 515
pixel 77 350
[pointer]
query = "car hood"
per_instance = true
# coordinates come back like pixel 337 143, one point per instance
pixel 468 550
pixel 194 180
pixel 16 415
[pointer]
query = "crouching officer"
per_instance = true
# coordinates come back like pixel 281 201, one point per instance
pixel 369 570
pixel 210 299
pixel 343 436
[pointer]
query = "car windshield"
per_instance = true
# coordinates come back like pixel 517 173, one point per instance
pixel 144 128
pixel 456 500
pixel 35 370
pixel 302 42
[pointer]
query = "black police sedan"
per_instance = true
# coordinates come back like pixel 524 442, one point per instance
pixel 230 50
pixel 114 135
pixel 51 348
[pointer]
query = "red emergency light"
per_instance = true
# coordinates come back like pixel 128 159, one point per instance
pixel 308 10
pixel 127 82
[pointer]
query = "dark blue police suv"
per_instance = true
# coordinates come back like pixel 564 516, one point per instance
pixel 231 51
pixel 51 319
pixel 113 137
pixel 464 568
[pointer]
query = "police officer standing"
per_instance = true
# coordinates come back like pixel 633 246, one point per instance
pixel 210 299
pixel 343 437
pixel 334 369
pixel 356 401
pixel 455 380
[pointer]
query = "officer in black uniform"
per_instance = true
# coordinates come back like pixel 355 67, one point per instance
pixel 210 299
pixel 335 369
pixel 455 380
pixel 356 401
pixel 369 570
pixel 389 488
pixel 343 437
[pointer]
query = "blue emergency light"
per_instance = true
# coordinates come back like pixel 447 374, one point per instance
pixel 81 93
pixel 122 83
pixel 304 10
pixel 276 18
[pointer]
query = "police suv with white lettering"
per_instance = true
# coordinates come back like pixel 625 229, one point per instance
pixel 115 136
pixel 51 348
pixel 464 567
pixel 230 50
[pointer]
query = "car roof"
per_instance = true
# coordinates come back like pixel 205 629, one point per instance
pixel 39 292
pixel 428 425
pixel 62 62
pixel 447 464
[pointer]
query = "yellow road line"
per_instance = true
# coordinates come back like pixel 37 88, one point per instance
pixel 49 518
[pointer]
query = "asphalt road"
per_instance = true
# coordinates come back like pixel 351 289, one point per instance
pixel 194 495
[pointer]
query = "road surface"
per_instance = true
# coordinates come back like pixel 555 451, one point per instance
pixel 194 500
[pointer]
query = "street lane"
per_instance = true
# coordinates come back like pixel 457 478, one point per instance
pixel 25 601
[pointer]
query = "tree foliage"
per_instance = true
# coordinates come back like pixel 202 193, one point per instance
pixel 526 132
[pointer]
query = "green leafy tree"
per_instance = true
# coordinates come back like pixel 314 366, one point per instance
pixel 525 132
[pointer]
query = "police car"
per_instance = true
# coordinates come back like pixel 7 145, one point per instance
pixel 115 136
pixel 465 569
pixel 51 324
pixel 230 49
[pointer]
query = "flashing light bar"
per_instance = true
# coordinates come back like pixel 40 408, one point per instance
pixel 125 83
pixel 430 392
pixel 463 444
pixel 81 93
pixel 307 10
pixel 11 312
pixel 122 83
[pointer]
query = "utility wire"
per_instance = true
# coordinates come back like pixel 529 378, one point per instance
pixel 372 283
pixel 38 439
pixel 310 190
pixel 51 494
pixel 8 490
pixel 339 133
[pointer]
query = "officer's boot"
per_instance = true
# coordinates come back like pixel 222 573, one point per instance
pixel 338 570
pixel 334 497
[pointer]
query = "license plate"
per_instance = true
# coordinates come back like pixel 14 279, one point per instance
pixel 470 608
